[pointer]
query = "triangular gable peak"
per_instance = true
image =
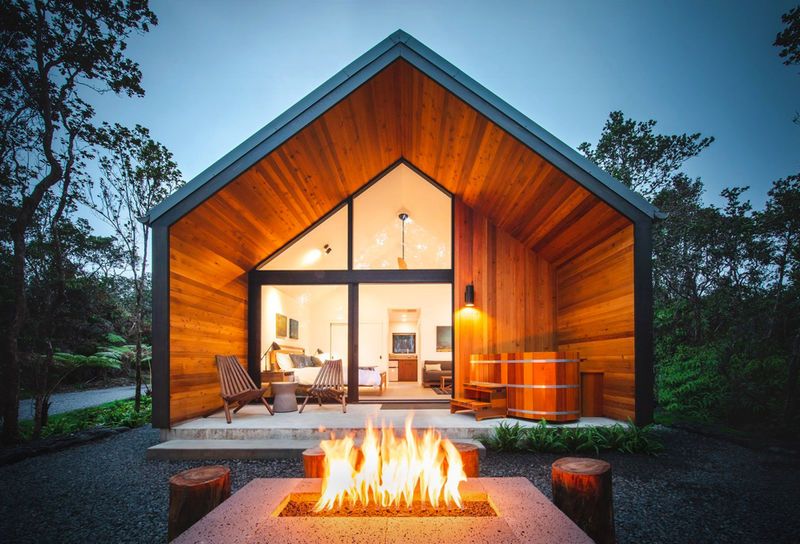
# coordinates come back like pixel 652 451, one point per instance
pixel 431 67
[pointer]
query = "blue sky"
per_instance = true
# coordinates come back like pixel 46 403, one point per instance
pixel 215 72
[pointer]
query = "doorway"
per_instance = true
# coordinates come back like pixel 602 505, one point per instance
pixel 400 333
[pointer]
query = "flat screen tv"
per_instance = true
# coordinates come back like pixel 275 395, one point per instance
pixel 404 343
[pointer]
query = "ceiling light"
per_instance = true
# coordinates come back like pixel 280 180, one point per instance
pixel 311 257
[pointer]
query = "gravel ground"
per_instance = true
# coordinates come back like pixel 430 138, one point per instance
pixel 699 490
pixel 66 402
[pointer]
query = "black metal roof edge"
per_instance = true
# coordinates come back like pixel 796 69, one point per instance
pixel 271 128
pixel 396 40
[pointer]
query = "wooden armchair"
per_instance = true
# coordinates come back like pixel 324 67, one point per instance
pixel 236 386
pixel 328 385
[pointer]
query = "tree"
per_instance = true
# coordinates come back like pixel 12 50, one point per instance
pixel 789 41
pixel 69 296
pixel 644 161
pixel 779 225
pixel 789 38
pixel 137 174
pixel 53 52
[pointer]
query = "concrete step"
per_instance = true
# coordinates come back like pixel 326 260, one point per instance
pixel 275 448
pixel 189 432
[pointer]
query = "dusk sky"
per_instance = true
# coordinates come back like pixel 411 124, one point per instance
pixel 216 72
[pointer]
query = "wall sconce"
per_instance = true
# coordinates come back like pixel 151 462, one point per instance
pixel 469 295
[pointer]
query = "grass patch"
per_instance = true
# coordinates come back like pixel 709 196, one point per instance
pixel 119 413
pixel 543 438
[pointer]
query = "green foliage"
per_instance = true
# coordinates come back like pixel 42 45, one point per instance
pixel 789 38
pixel 689 383
pixel 113 414
pixel 71 361
pixel 726 278
pixel 543 438
pixel 505 437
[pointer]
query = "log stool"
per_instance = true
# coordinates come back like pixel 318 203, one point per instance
pixel 470 458
pixel 314 460
pixel 194 493
pixel 582 490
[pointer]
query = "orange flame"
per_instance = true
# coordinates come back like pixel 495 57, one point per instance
pixel 391 469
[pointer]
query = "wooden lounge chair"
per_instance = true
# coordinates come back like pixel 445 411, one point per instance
pixel 236 386
pixel 328 385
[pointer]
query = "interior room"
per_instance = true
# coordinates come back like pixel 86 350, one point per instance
pixel 407 329
pixel 404 336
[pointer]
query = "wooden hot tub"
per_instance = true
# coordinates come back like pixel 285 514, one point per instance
pixel 540 385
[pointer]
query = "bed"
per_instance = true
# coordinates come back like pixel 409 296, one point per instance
pixel 368 376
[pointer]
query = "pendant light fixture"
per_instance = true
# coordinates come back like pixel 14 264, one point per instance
pixel 401 261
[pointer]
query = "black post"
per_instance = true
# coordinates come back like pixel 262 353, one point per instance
pixel 254 329
pixel 352 343
pixel 159 366
pixel 643 320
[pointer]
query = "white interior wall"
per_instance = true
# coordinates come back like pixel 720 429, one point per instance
pixel 434 302
pixel 275 300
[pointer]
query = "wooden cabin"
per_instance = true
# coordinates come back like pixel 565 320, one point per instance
pixel 553 254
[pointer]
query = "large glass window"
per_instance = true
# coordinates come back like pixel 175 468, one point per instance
pixel 322 248
pixel 402 221
pixel 307 319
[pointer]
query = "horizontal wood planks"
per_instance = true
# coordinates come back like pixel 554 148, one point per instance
pixel 595 316
pixel 514 293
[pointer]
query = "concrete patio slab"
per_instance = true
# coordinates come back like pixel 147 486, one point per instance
pixel 316 423
pixel 276 448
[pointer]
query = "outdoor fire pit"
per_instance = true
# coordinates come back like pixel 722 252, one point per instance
pixel 389 488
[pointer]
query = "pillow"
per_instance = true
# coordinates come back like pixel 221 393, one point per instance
pixel 434 367
pixel 316 361
pixel 284 361
pixel 301 361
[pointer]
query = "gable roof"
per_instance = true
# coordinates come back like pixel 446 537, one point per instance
pixel 401 45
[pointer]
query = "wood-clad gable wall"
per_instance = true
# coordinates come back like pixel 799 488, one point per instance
pixel 595 317
pixel 514 293
pixel 398 114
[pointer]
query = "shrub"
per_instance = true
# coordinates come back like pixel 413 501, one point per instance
pixel 505 437
pixel 690 384
pixel 543 438
pixel 119 413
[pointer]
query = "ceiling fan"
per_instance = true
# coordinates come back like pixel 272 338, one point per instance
pixel 401 261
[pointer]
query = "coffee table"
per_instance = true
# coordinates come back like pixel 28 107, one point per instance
pixel 443 382
pixel 285 398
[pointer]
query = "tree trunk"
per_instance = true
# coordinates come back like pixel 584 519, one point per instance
pixel 10 360
pixel 194 493
pixel 582 490
pixel 137 403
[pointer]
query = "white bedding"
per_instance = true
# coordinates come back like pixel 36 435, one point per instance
pixel 307 375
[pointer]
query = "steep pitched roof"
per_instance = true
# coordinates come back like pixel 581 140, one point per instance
pixel 400 45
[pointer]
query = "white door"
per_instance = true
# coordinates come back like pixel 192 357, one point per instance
pixel 338 346
pixel 370 345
